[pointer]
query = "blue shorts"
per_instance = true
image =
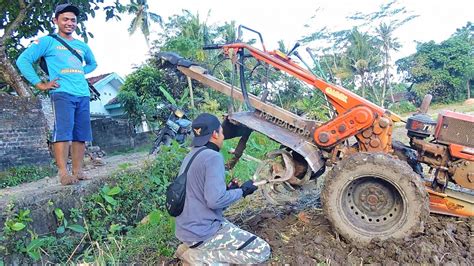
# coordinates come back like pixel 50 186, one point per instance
pixel 72 120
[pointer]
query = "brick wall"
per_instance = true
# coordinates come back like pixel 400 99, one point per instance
pixel 23 132
pixel 116 135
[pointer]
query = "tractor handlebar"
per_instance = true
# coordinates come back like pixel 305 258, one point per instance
pixel 212 46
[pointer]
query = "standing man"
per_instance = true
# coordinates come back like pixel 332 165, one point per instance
pixel 67 87
pixel 206 235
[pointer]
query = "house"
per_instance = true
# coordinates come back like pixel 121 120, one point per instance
pixel 108 85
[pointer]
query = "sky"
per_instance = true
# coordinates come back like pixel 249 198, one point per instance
pixel 117 51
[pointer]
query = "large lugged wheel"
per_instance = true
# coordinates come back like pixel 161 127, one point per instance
pixel 369 196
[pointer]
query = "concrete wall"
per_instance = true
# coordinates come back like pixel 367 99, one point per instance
pixel 23 132
pixel 47 107
pixel 116 134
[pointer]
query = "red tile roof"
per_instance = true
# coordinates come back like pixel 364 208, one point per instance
pixel 113 101
pixel 94 80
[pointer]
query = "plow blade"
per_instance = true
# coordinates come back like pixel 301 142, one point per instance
pixel 309 151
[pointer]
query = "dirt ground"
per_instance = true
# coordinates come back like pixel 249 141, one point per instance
pixel 301 235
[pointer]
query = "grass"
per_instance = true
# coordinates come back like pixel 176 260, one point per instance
pixel 258 146
pixel 434 109
pixel 24 174
pixel 150 242
pixel 457 107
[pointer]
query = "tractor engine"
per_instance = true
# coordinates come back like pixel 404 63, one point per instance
pixel 450 152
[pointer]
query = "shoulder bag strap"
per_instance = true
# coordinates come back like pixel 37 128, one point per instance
pixel 192 159
pixel 74 52
pixel 92 89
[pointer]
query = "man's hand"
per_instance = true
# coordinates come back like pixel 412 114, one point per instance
pixel 233 184
pixel 248 188
pixel 45 86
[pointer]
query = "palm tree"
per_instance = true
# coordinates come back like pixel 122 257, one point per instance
pixel 193 32
pixel 143 18
pixel 389 43
pixel 361 56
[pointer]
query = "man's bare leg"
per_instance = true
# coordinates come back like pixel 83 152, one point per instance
pixel 61 152
pixel 78 150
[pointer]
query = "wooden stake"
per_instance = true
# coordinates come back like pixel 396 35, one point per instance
pixel 190 85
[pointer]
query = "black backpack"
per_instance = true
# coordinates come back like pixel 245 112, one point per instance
pixel 95 95
pixel 176 191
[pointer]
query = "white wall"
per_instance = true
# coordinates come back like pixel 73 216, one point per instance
pixel 107 93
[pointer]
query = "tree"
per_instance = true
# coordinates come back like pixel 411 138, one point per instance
pixel 467 33
pixel 440 69
pixel 389 43
pixel 23 19
pixel 139 93
pixel 142 18
pixel 185 34
pixel 360 56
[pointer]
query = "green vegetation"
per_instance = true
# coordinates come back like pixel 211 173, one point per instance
pixel 23 174
pixel 444 70
pixel 104 219
pixel 109 227
pixel 142 17
pixel 402 107
pixel 257 146
pixel 150 242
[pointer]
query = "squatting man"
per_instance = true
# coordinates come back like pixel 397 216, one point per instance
pixel 207 236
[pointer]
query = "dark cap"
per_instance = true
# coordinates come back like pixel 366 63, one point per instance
pixel 203 126
pixel 63 8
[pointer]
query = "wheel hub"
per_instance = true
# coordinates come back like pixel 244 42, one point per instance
pixel 373 199
pixel 371 203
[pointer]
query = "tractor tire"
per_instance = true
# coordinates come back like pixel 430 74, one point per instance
pixel 374 196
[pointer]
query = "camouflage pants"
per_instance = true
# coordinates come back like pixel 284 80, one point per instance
pixel 229 245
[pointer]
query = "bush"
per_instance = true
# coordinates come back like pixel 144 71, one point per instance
pixel 136 194
pixel 110 219
pixel 402 107
pixel 150 242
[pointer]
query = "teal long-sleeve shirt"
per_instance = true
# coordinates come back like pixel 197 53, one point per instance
pixel 62 64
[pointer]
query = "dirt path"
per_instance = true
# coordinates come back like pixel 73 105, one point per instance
pixel 42 189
